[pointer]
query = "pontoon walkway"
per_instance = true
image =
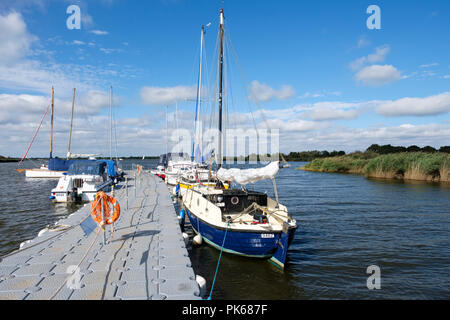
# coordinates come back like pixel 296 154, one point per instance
pixel 147 258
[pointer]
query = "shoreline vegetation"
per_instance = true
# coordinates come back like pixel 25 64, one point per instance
pixel 387 162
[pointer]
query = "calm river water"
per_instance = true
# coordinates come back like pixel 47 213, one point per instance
pixel 346 224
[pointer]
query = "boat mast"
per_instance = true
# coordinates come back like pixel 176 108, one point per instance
pixel 110 124
pixel 220 157
pixel 71 125
pixel 167 129
pixel 51 126
pixel 199 94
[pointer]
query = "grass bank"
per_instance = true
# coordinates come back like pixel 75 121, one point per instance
pixel 403 166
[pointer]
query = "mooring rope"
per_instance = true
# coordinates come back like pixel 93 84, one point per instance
pixel 218 262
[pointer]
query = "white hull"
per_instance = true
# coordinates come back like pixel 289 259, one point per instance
pixel 44 173
pixel 66 192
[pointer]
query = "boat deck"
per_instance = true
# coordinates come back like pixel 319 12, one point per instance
pixel 144 258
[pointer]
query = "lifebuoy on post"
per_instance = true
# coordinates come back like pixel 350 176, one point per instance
pixel 96 209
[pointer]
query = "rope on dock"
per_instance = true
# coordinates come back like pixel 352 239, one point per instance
pixel 77 267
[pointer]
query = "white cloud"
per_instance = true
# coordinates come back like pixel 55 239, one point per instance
pixel 432 105
pixel 30 106
pixel 330 113
pixel 296 125
pixel 99 32
pixel 378 56
pixel 434 64
pixel 14 38
pixel 109 51
pixel 21 70
pixel 261 92
pixel 167 95
pixel 363 42
pixel 86 19
pixel 351 139
pixel 378 75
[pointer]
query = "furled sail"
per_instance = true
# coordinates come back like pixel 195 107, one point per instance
pixel 246 176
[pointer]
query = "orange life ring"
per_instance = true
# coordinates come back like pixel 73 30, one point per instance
pixel 96 208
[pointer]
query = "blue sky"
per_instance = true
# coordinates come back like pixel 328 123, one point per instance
pixel 321 76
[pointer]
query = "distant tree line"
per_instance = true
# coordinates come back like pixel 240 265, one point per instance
pixel 388 149
pixel 311 155
pixel 375 148
pixel 8 159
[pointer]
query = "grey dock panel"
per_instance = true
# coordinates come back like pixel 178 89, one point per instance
pixel 147 258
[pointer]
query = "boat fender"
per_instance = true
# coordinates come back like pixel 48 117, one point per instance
pixel 182 218
pixel 201 284
pixel 185 238
pixel 42 232
pixel 24 243
pixel 181 215
pixel 177 189
pixel 52 198
pixel 198 240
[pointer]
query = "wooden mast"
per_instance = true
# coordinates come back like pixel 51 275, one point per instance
pixel 220 157
pixel 71 125
pixel 51 125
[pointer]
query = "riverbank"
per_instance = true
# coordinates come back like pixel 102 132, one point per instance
pixel 4 159
pixel 420 166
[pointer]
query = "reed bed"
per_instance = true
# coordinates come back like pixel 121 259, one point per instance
pixel 407 165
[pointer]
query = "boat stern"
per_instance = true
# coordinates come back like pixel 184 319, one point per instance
pixel 62 191
pixel 279 257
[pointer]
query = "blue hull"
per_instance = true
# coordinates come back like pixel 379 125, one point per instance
pixel 264 245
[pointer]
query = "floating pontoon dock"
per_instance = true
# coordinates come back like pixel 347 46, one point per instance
pixel 146 259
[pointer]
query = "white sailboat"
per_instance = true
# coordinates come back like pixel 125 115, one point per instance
pixel 85 178
pixel 240 221
pixel 56 167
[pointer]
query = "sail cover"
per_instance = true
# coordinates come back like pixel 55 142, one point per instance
pixel 245 176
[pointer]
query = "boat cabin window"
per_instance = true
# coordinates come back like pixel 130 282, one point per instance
pixel 238 201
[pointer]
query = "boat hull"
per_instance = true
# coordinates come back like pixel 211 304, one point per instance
pixel 44 173
pixel 254 244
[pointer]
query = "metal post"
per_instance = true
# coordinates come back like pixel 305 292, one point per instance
pixel 126 188
pixel 104 224
pixel 135 184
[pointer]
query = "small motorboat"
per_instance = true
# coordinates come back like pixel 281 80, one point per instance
pixel 83 180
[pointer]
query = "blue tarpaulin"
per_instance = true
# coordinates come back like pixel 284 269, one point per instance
pixel 112 172
pixel 57 164
pixel 92 167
